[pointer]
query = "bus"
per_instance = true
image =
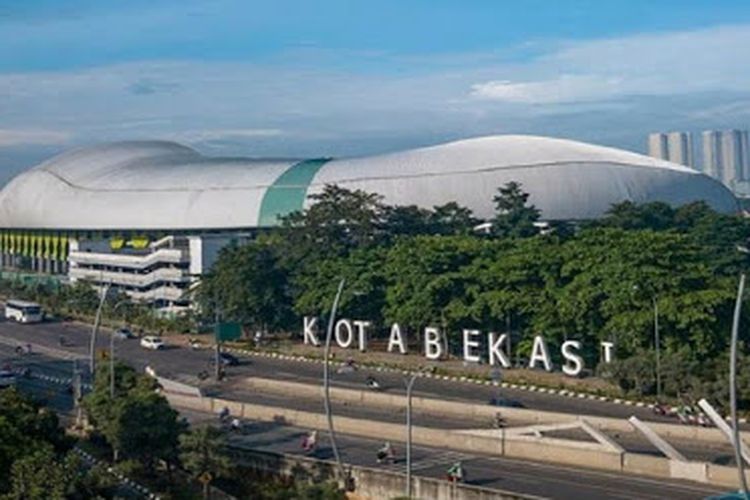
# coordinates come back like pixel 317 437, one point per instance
pixel 22 311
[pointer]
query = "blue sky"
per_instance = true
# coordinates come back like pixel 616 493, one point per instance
pixel 302 78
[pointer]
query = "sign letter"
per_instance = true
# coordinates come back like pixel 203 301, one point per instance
pixel 539 352
pixel 362 333
pixel 496 351
pixel 310 331
pixel 396 339
pixel 470 344
pixel 433 348
pixel 607 346
pixel 344 341
pixel 574 359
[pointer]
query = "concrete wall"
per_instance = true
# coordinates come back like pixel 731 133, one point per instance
pixel 368 483
pixel 463 409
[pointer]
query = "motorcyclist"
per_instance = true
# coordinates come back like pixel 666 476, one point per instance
pixel 456 473
pixel 371 382
pixel 310 441
pixel 224 414
pixel 385 453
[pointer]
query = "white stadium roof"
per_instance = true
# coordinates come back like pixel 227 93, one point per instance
pixel 162 185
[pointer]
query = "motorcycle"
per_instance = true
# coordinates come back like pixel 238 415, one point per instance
pixel 373 384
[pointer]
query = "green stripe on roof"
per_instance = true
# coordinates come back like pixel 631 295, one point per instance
pixel 288 192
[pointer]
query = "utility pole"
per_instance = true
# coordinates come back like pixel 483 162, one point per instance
pixel 95 330
pixel 658 349
pixel 217 354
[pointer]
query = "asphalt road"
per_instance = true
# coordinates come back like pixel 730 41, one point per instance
pixel 182 363
pixel 185 364
pixel 545 480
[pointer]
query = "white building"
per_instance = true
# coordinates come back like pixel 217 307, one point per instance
pixel 150 217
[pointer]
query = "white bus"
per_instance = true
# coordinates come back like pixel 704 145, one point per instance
pixel 22 311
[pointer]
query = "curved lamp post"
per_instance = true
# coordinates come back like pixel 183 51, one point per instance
pixel 326 380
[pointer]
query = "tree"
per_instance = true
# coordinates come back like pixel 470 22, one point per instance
pixel 138 423
pixel 202 451
pixel 514 218
pixel 42 475
pixel 247 285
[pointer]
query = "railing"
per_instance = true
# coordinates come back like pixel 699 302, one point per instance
pixel 165 255
pixel 130 279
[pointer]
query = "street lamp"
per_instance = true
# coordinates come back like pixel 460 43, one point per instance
pixel 409 386
pixel 95 330
pixel 733 380
pixel 657 342
pixel 112 353
pixel 326 380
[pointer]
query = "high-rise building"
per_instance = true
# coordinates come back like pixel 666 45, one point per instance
pixel 658 146
pixel 676 147
pixel 713 163
pixel 726 155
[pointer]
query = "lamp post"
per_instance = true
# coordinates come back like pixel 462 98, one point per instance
pixel 657 342
pixel 95 330
pixel 326 379
pixel 112 354
pixel 733 387
pixel 409 386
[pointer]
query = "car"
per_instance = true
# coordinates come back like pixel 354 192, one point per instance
pixel 124 333
pixel 506 402
pixel 152 342
pixel 7 378
pixel 226 359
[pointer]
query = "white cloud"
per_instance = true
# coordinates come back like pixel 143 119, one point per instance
pixel 36 137
pixel 707 60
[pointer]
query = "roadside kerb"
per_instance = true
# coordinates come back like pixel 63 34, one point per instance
pixel 488 412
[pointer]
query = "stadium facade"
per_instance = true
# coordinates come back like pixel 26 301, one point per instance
pixel 150 217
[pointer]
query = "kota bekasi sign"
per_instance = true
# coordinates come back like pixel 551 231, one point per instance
pixel 349 334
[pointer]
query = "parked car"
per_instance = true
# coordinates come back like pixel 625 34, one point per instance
pixel 7 378
pixel 124 333
pixel 152 342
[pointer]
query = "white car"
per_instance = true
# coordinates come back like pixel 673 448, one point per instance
pixel 7 379
pixel 151 342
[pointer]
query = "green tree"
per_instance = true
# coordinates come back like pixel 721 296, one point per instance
pixel 514 218
pixel 203 450
pixel 138 423
pixel 247 285
pixel 43 475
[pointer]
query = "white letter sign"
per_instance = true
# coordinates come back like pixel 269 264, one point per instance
pixel 362 333
pixel 344 342
pixel 496 351
pixel 310 331
pixel 574 359
pixel 396 339
pixel 607 346
pixel 470 344
pixel 539 352
pixel 433 348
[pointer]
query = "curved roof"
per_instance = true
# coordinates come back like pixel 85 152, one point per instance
pixel 163 185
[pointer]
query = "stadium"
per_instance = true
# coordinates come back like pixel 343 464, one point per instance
pixel 150 217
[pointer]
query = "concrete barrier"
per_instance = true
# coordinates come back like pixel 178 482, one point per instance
pixel 368 483
pixel 478 411
pixel 543 450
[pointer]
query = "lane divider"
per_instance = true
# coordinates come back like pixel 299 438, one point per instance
pixel 136 487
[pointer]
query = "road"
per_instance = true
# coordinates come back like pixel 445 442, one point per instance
pixel 184 364
pixel 545 480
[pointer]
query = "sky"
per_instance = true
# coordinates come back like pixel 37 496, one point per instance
pixel 341 78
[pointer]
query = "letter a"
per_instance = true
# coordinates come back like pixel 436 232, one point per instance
pixel 539 352
pixel 396 339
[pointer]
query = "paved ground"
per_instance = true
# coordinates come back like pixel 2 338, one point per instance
pixel 544 480
pixel 185 364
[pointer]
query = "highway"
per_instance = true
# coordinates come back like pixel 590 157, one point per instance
pixel 183 364
pixel 545 480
